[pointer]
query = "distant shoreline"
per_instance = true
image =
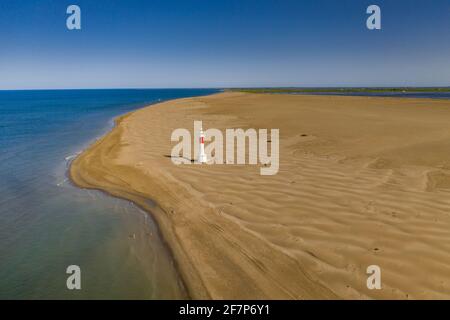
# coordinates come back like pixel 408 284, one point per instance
pixel 442 93
pixel 343 90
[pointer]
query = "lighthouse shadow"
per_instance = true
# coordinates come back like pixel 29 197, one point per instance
pixel 179 157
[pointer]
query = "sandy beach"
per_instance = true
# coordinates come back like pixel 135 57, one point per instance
pixel 362 181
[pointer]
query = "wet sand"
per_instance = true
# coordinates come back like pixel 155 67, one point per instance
pixel 362 181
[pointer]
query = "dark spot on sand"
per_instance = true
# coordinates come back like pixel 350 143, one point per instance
pixel 311 254
pixel 169 156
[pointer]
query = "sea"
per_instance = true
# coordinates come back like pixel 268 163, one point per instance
pixel 47 224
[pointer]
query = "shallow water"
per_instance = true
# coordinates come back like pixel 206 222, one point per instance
pixel 47 224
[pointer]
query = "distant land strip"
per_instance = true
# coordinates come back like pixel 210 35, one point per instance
pixel 342 90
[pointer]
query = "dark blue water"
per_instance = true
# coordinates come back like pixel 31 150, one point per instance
pixel 46 224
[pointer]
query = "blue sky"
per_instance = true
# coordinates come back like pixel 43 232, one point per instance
pixel 212 43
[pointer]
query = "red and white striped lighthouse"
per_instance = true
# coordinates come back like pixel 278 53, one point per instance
pixel 201 150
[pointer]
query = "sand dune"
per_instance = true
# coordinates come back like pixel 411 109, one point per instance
pixel 362 181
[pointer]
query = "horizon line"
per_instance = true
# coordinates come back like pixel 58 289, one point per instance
pixel 225 88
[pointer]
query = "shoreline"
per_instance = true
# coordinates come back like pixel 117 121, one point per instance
pixel 148 210
pixel 152 209
pixel 219 252
pixel 363 95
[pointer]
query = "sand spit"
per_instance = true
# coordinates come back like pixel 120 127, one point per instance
pixel 362 181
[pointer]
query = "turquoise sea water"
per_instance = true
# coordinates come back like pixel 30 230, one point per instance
pixel 47 224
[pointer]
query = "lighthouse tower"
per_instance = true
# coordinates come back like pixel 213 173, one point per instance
pixel 201 150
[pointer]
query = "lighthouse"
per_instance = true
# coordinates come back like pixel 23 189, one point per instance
pixel 201 150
